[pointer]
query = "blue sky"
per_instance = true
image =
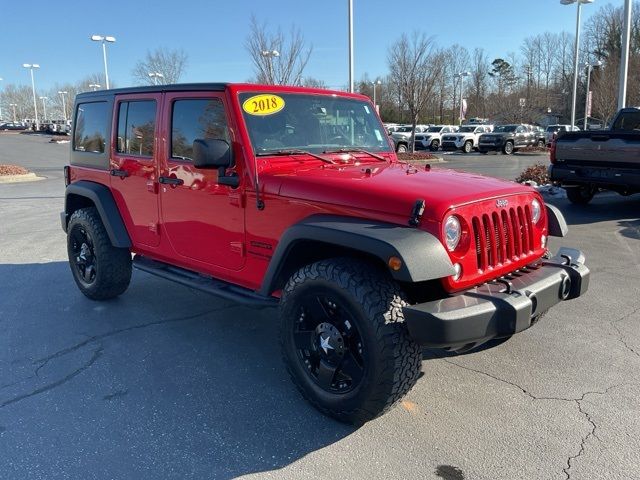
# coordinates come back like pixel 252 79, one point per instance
pixel 56 34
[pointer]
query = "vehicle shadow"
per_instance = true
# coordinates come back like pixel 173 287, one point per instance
pixel 604 207
pixel 162 382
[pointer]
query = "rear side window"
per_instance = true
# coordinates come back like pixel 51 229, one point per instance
pixel 196 118
pixel 136 127
pixel 91 124
pixel 627 121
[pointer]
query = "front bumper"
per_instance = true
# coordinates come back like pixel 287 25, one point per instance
pixel 451 145
pixel 500 308
pixel 490 147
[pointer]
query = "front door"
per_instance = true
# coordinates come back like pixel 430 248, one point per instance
pixel 203 220
pixel 133 167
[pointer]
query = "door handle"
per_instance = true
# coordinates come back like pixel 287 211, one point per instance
pixel 119 173
pixel 170 181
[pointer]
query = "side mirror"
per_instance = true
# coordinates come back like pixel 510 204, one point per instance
pixel 211 153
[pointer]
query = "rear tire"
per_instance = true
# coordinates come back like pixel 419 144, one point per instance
pixel 541 144
pixel 100 270
pixel 581 195
pixel 344 341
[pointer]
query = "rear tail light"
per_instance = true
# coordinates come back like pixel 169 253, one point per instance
pixel 552 151
pixel 67 175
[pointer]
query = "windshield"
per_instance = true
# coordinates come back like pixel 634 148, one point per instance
pixel 467 129
pixel 434 129
pixel 315 123
pixel 506 128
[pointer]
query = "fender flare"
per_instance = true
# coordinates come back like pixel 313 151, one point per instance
pixel 102 198
pixel 557 223
pixel 423 256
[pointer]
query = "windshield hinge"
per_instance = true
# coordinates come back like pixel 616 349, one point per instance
pixel 416 213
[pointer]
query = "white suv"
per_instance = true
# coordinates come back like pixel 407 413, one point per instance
pixel 466 139
pixel 432 138
pixel 402 136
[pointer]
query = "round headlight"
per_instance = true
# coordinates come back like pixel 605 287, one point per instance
pixel 452 232
pixel 535 211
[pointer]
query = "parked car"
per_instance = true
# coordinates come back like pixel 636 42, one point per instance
pixel 553 130
pixel 12 126
pixel 402 136
pixel 507 139
pixel 587 162
pixel 366 257
pixel 466 138
pixel 432 137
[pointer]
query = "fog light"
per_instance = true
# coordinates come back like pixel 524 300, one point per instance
pixel 543 241
pixel 458 268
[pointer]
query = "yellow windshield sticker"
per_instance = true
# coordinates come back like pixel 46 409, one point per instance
pixel 264 104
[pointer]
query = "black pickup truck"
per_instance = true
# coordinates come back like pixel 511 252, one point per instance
pixel 584 163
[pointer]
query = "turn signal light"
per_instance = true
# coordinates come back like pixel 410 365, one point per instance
pixel 395 263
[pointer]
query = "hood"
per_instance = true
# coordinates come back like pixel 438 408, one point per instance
pixel 392 188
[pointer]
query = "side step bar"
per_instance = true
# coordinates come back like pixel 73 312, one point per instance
pixel 204 283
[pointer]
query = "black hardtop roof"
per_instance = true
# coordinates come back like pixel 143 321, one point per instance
pixel 178 87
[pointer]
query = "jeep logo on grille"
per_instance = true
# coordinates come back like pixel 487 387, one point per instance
pixel 502 203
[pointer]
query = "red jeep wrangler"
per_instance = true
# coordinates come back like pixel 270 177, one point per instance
pixel 282 195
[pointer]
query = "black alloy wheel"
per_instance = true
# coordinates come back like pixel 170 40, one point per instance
pixel 328 343
pixel 82 255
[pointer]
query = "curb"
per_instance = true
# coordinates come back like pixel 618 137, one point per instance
pixel 27 177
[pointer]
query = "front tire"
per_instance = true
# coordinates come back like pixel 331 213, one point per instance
pixel 508 148
pixel 467 147
pixel 435 145
pixel 344 341
pixel 100 270
pixel 402 148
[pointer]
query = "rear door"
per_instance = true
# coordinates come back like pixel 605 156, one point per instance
pixel 133 166
pixel 203 220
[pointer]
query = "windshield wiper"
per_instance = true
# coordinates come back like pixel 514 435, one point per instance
pixel 294 151
pixel 360 150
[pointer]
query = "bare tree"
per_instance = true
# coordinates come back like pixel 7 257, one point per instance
pixel 414 66
pixel 20 96
pixel 277 60
pixel 458 61
pixel 170 64
pixel 478 87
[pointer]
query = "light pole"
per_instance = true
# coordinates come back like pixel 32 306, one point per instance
pixel 95 86
pixel 44 107
pixel 64 105
pixel 350 46
pixel 587 110
pixel 269 55
pixel 1 105
pixel 575 56
pixel 377 82
pixel 14 105
pixel 461 76
pixel 624 55
pixel 31 66
pixel 155 76
pixel 104 39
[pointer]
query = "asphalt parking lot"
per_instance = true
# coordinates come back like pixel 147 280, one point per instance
pixel 166 382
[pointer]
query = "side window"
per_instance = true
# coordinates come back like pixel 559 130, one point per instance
pixel 519 129
pixel 136 127
pixel 196 118
pixel 90 134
